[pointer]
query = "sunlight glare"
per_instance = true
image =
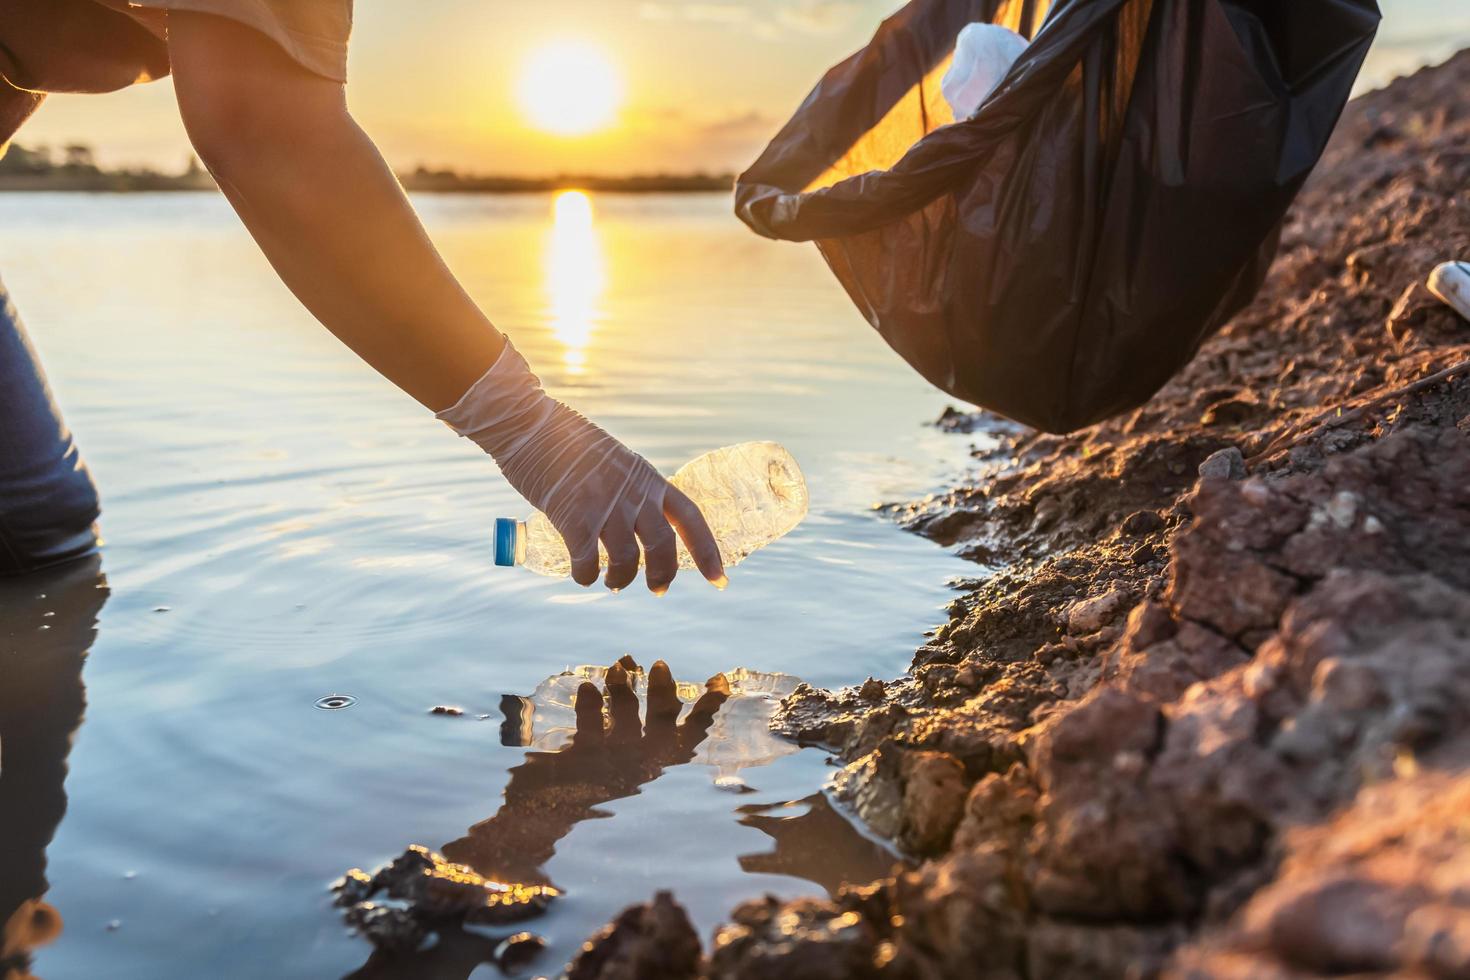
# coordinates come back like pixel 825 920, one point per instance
pixel 575 276
pixel 570 87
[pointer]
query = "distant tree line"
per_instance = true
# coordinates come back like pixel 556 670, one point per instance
pixel 74 167
pixel 75 157
pixel 425 179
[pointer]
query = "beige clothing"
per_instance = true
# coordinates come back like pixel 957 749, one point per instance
pixel 97 46
pixel 102 45
pixel 313 32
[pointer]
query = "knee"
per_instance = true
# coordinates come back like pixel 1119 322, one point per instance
pixel 55 521
pixel 77 505
pixel 48 502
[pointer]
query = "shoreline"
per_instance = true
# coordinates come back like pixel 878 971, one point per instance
pixel 1204 716
pixel 108 182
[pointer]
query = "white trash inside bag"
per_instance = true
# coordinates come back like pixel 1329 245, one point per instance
pixel 983 55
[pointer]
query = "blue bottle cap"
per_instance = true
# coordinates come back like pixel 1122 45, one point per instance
pixel 505 541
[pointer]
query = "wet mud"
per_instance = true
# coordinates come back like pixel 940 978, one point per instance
pixel 401 903
pixel 1201 710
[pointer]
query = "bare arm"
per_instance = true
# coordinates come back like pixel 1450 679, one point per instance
pixel 330 216
pixel 325 208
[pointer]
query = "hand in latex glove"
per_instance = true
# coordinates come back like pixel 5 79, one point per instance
pixel 588 484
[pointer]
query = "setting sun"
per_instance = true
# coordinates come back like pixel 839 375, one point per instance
pixel 570 87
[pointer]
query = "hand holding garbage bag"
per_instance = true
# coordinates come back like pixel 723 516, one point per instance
pixel 1060 254
pixel 589 484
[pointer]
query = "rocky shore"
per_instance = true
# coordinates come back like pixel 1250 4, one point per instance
pixel 1206 712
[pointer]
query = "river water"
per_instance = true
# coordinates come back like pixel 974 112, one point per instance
pixel 283 525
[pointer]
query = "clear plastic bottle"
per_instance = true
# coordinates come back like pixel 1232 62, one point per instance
pixel 751 494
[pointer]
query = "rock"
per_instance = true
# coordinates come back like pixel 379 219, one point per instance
pixel 1048 510
pixel 644 941
pixel 733 784
pixel 1091 615
pixel 872 690
pixel 803 940
pixel 872 787
pixel 419 891
pixel 446 709
pixel 436 888
pixel 954 420
pixel 1142 522
pixel 353 887
pixel 813 716
pixel 1225 464
pixel 515 953
pixel 946 526
pixel 1379 890
pixel 1347 685
pixel 1143 554
pixel 1148 623
pixel 396 930
pixel 1217 579
pixel 934 794
pixel 1341 509
pixel 1102 844
pixel 955 917
pixel 1080 949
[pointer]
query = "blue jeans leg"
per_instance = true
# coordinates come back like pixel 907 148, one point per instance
pixel 48 503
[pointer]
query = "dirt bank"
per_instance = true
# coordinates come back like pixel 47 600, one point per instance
pixel 1205 712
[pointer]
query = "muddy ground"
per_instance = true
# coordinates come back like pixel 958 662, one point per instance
pixel 1203 711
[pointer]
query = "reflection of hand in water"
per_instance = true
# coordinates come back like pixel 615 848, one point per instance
pixel 47 624
pixel 611 756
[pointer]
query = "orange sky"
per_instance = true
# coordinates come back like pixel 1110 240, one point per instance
pixel 706 82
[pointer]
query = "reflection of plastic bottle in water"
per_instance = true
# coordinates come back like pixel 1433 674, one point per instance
pixel 751 494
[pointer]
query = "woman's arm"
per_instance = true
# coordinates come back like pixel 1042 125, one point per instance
pixel 333 221
pixel 325 208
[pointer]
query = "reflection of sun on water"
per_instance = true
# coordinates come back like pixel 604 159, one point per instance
pixel 575 275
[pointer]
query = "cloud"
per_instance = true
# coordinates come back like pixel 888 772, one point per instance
pixel 716 139
pixel 817 16
pixel 735 123
pixel 764 18
pixel 698 13
pixel 739 125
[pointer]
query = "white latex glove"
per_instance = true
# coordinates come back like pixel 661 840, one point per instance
pixel 590 485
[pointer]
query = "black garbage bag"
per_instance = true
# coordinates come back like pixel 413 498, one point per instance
pixel 1059 255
